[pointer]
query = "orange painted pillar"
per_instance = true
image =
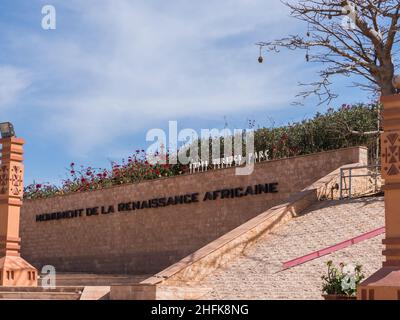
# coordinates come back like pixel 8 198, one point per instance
pixel 14 270
pixel 385 283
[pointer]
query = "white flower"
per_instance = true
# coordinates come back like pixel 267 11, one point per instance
pixel 349 270
pixel 348 282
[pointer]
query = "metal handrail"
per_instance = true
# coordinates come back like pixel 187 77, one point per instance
pixel 351 175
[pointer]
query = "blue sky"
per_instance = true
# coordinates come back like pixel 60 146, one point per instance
pixel 89 91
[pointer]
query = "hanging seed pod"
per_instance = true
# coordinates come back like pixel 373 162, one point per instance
pixel 308 34
pixel 307 57
pixel 260 58
pixel 329 17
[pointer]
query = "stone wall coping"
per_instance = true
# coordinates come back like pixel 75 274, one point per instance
pixel 194 174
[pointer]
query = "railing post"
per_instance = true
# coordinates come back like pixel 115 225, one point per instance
pixel 341 184
pixel 350 183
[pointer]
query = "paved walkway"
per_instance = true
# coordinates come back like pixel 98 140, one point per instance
pixel 258 273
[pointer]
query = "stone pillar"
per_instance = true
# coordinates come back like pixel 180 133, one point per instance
pixel 385 283
pixel 14 271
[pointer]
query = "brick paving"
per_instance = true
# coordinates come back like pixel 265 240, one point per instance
pixel 258 274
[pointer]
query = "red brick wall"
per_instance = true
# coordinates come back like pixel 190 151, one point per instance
pixel 148 240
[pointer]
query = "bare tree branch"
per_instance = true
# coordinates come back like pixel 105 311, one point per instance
pixel 356 39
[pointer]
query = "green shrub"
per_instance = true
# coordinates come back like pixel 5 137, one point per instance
pixel 328 131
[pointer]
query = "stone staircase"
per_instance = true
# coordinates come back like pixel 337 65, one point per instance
pixel 88 279
pixel 72 286
pixel 39 293
pixel 259 272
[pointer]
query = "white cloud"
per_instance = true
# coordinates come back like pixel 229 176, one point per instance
pixel 13 81
pixel 122 65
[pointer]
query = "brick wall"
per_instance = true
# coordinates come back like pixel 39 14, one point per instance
pixel 148 240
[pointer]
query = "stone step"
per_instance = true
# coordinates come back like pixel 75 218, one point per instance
pixel 24 295
pixel 97 279
pixel 40 293
pixel 93 282
pixel 62 289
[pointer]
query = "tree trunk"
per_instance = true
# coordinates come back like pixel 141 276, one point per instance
pixel 387 89
pixel 386 79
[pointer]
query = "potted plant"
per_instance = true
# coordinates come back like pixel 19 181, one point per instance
pixel 341 282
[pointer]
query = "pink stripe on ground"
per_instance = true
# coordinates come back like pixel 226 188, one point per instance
pixel 336 247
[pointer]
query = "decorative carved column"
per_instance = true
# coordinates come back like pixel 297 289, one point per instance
pixel 14 270
pixel 385 283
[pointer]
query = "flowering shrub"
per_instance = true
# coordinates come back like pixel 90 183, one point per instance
pixel 323 132
pixel 342 280
pixel 135 169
